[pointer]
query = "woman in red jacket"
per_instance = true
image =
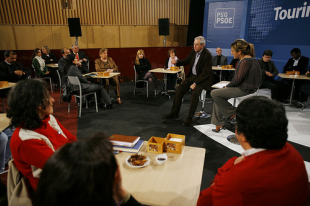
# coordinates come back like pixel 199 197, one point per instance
pixel 38 134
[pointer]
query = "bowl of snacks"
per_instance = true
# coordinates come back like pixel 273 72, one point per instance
pixel 137 161
pixel 161 159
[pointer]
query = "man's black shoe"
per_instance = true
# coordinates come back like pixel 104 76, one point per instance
pixel 171 116
pixel 110 106
pixel 188 121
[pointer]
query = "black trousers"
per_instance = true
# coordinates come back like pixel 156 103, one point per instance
pixel 103 96
pixel 273 86
pixel 180 92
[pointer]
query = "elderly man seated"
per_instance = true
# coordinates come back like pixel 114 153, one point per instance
pixel 270 171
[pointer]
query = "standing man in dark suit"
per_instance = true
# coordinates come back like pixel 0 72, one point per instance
pixel 199 77
pixel 269 71
pixel 81 58
pixel 10 70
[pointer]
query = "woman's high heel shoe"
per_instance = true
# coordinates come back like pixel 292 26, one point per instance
pixel 217 129
pixel 119 101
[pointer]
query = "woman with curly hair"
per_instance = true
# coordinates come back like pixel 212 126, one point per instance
pixel 38 134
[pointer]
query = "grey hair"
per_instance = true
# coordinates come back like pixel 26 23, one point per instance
pixel 75 45
pixel 201 39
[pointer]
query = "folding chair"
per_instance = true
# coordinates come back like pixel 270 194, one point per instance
pixel 73 80
pixel 140 80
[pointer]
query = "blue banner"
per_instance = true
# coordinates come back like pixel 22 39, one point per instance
pixel 224 23
pixel 279 22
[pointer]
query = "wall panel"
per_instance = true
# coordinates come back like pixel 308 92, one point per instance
pixel 95 12
pixel 42 35
pixel 7 38
pixel 25 38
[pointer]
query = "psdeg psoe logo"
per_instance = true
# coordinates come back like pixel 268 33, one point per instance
pixel 224 18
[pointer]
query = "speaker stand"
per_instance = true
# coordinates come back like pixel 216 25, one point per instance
pixel 165 41
pixel 76 41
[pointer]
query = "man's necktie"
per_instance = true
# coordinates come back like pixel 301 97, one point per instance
pixel 77 56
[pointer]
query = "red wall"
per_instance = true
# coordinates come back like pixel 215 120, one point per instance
pixel 123 57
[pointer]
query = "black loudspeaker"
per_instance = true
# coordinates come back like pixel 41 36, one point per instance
pixel 163 26
pixel 74 27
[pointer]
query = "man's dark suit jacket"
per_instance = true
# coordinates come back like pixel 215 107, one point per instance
pixel 82 55
pixel 7 72
pixel 301 66
pixel 61 67
pixel 272 69
pixel 203 68
pixel 223 60
pixel 74 71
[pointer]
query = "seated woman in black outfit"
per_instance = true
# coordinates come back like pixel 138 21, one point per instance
pixel 143 66
pixel 48 56
pixel 83 173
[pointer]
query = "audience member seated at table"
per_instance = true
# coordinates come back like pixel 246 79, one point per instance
pixel 296 63
pixel 143 66
pixel 10 70
pixel 62 63
pixel 171 78
pixel 87 87
pixel 48 56
pixel 38 134
pixel 5 151
pixel 39 64
pixel 247 78
pixel 269 71
pixel 106 64
pixel 219 60
pixel 81 58
pixel 83 173
pixel 270 171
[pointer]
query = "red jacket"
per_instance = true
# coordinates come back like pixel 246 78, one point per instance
pixel 270 177
pixel 32 148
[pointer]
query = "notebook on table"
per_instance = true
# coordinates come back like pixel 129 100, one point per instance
pixel 134 149
pixel 124 140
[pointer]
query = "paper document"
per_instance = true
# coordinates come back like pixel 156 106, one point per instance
pixel 220 85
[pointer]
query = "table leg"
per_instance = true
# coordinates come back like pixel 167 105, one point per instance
pixel 165 81
pixel 220 75
pixel 292 91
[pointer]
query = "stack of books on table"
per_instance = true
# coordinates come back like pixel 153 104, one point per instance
pixel 125 143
